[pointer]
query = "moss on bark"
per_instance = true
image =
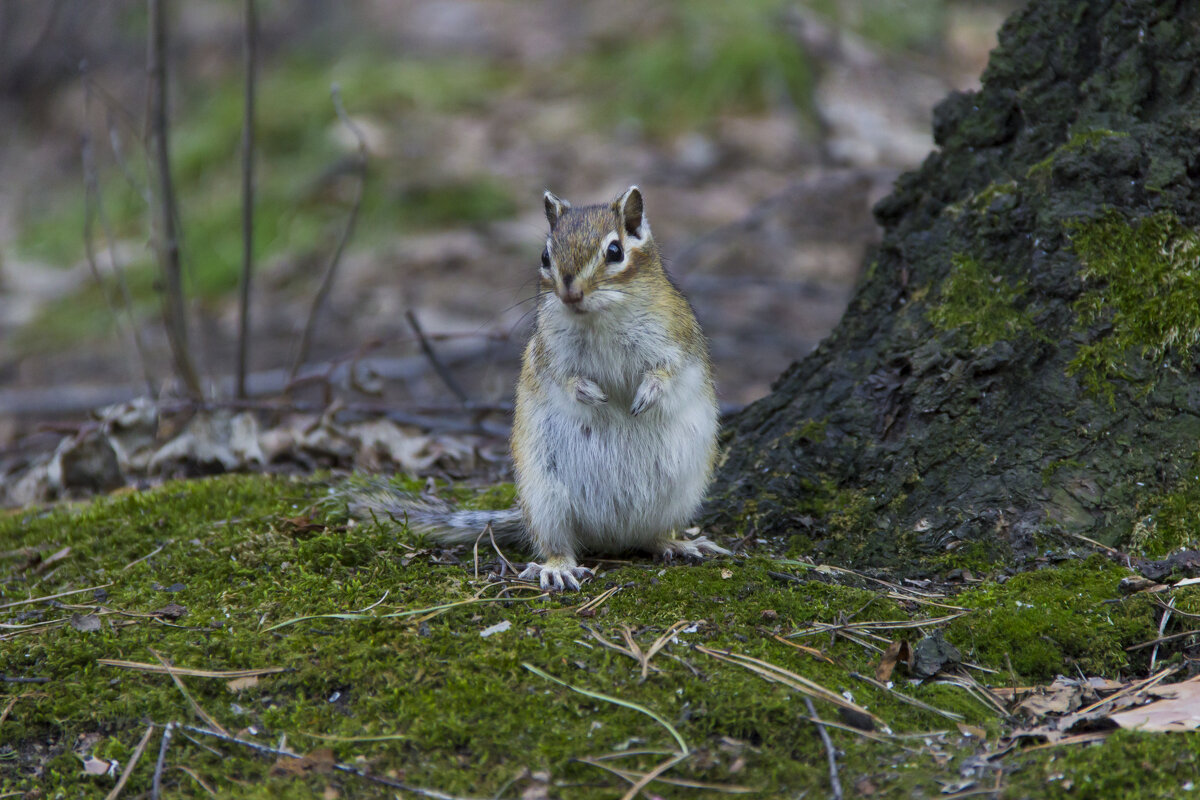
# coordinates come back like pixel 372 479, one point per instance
pixel 1005 372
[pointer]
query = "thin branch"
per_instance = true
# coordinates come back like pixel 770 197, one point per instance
pixel 93 210
pixel 156 786
pixel 251 51
pixel 438 367
pixel 360 165
pixel 262 748
pixel 133 760
pixel 200 712
pixel 174 310
pixel 830 752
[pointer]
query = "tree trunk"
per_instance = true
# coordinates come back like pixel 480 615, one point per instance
pixel 1019 365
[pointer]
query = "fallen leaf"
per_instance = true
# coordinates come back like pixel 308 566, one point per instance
pixel 726 574
pixel 897 651
pixel 238 684
pixel 1179 710
pixel 98 766
pixel 170 611
pixel 85 623
pixel 1061 697
pixel 319 761
pixel 972 731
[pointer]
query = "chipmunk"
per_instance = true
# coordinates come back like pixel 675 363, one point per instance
pixel 615 425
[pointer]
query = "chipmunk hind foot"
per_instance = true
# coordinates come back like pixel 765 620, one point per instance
pixel 697 549
pixel 558 574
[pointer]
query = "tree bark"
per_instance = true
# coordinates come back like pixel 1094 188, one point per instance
pixel 1018 367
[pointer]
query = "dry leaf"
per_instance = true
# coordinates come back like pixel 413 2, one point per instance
pixel 971 730
pixel 238 684
pixel 320 761
pixel 1061 697
pixel 98 766
pixel 85 623
pixel 897 651
pixel 1179 710
pixel 170 611
pixel 726 574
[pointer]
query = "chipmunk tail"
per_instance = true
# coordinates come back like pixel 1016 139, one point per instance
pixel 432 516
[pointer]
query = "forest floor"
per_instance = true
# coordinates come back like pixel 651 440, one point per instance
pixel 241 636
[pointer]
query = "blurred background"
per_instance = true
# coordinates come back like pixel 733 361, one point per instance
pixel 761 132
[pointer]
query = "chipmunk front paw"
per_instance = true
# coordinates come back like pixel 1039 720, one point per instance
pixel 587 392
pixel 689 549
pixel 648 393
pixel 556 575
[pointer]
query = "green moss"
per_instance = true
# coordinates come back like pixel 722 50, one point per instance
pixel 996 191
pixel 980 305
pixel 1079 141
pixel 1141 291
pixel 714 58
pixel 1055 621
pixel 253 552
pixel 1124 764
pixel 1171 520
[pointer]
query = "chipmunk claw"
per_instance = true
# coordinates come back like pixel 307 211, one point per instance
pixel 649 391
pixel 588 392
pixel 556 576
pixel 690 549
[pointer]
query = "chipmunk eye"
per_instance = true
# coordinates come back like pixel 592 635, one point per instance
pixel 614 253
pixel 546 258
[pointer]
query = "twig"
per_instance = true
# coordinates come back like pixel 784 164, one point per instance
pixel 630 776
pixel 174 310
pixel 200 712
pixel 191 673
pixel 683 748
pixel 53 596
pixel 438 366
pixel 1156 642
pixel 903 698
pixel 93 209
pixel 250 47
pixel 151 554
pixel 262 748
pixel 778 674
pixel 20 679
pixel 645 780
pixel 156 786
pixel 197 779
pixel 360 164
pixel 133 760
pixel 830 752
pixel 1162 626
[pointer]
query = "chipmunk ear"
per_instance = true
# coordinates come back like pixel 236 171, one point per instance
pixel 631 211
pixel 555 208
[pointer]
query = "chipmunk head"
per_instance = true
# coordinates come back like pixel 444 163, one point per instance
pixel 594 252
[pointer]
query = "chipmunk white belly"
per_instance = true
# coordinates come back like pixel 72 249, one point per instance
pixel 613 481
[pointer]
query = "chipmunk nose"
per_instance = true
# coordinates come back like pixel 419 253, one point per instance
pixel 571 297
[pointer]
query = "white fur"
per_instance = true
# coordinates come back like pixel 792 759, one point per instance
pixel 633 480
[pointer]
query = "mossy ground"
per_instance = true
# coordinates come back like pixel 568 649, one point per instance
pixel 243 554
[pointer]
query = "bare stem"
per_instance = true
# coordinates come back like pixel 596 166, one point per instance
pixel 94 209
pixel 442 371
pixel 250 46
pixel 174 310
pixel 310 323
